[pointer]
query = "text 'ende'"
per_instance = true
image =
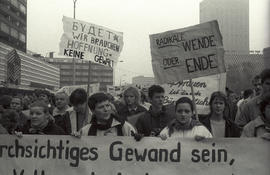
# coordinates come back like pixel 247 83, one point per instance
pixel 201 63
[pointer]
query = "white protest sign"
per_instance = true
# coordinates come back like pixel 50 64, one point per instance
pixel 186 53
pixel 88 41
pixel 66 155
pixel 203 88
pixel 115 90
pixel 93 88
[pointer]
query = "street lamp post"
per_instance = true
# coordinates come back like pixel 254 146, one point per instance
pixel 73 59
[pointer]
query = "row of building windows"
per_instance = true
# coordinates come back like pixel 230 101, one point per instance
pixel 85 80
pixel 18 5
pixel 41 66
pixel 12 31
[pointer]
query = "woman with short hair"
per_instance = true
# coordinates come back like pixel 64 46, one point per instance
pixel 184 126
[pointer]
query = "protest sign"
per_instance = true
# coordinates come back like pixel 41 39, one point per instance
pixel 115 90
pixel 93 88
pixel 65 155
pixel 187 53
pixel 88 41
pixel 203 88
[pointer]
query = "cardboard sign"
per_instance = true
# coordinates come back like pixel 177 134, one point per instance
pixel 186 53
pixel 66 155
pixel 93 88
pixel 83 40
pixel 203 88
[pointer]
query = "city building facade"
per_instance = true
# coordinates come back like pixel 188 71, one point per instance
pixel 143 82
pixel 233 20
pixel 33 72
pixel 98 73
pixel 13 22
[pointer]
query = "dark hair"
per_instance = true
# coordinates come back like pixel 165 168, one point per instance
pixel 155 89
pixel 5 101
pixel 247 93
pixel 9 120
pixel 256 78
pixel 78 96
pixel 96 98
pixel 38 92
pixel 18 98
pixel 220 95
pixel 265 101
pixel 265 74
pixel 185 100
pixel 40 103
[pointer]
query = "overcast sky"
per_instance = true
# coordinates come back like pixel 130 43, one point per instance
pixel 136 19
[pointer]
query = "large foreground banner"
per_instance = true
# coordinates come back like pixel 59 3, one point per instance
pixel 64 155
pixel 83 40
pixel 186 53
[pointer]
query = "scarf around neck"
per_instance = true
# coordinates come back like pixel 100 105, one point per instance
pixel 175 124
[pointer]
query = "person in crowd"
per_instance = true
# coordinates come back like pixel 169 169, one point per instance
pixel 2 129
pixel 248 94
pixel 184 125
pixel 156 118
pixel 252 108
pixel 257 84
pixel 61 101
pixel 144 101
pixel 76 116
pixel 16 104
pixel 260 126
pixel 5 101
pixel 104 121
pixel 9 121
pixel 232 103
pixel 45 96
pixel 40 121
pixel 218 121
pixel 132 104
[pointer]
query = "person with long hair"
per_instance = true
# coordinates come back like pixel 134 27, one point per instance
pixel 184 126
pixel 218 121
pixel 132 104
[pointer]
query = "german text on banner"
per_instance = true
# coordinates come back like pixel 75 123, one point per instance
pixel 64 155
pixel 203 88
pixel 186 53
pixel 83 40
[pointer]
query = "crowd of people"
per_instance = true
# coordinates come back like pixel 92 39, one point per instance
pixel 101 115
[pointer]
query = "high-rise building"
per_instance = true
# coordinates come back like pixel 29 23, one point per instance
pixel 98 73
pixel 233 20
pixel 31 72
pixel 13 23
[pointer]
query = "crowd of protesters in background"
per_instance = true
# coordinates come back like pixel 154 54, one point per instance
pixel 137 114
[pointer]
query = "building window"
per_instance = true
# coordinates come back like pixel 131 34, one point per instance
pixel 22 37
pixel 14 33
pixel 4 28
pixel 14 2
pixel 22 8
